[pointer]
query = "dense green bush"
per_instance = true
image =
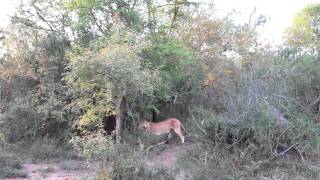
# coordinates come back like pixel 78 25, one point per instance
pixel 101 73
pixel 25 121
pixel 19 122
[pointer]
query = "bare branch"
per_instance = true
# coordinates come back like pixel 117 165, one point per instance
pixel 96 22
pixel 42 18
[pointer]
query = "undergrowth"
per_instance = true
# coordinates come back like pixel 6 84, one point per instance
pixel 117 161
pixel 10 166
pixel 254 148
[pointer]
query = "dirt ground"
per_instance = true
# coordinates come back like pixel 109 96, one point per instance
pixel 76 169
pixel 168 158
pixel 64 170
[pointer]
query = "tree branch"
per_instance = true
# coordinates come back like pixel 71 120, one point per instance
pixel 175 13
pixel 95 21
pixel 42 18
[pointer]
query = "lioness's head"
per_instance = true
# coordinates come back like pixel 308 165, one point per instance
pixel 143 124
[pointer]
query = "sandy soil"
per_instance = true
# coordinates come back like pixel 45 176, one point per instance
pixel 57 171
pixel 168 158
pixel 75 169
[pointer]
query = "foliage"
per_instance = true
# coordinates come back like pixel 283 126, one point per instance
pixel 208 161
pixel 253 110
pixel 172 60
pixel 116 161
pixel 98 17
pixel 94 147
pixel 305 32
pixel 47 149
pixel 37 98
pixel 10 167
pixel 12 173
pixel 99 75
pixel 305 81
pixel 263 123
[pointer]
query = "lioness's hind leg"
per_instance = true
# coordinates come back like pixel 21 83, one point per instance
pixel 179 133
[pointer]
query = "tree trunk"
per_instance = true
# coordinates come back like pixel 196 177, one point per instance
pixel 154 116
pixel 120 107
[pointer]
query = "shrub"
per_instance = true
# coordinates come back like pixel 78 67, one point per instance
pixel 12 173
pixel 24 121
pixel 19 122
pixel 119 161
pixel 10 166
pixel 94 146
pixel 269 114
pixel 71 165
pixel 46 149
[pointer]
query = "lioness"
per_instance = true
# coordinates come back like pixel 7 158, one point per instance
pixel 163 127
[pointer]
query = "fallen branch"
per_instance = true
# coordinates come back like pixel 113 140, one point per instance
pixel 194 120
pixel 152 146
pixel 293 100
pixel 283 152
pixel 300 154
pixel 259 163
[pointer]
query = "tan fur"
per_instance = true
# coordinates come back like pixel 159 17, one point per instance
pixel 163 127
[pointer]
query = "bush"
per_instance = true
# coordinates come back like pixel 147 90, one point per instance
pixel 19 122
pixel 10 166
pixel 46 149
pixel 23 121
pixel 269 114
pixel 9 161
pixel 94 146
pixel 211 161
pixel 71 165
pixel 12 173
pixel 119 161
